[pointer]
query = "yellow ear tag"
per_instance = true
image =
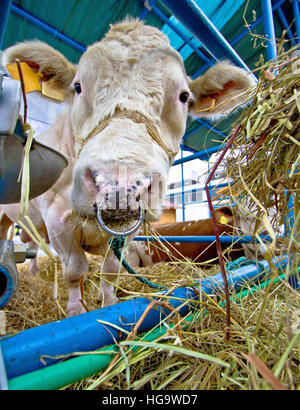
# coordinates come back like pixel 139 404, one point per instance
pixel 223 220
pixel 55 93
pixel 31 79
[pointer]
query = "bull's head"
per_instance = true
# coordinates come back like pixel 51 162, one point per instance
pixel 130 101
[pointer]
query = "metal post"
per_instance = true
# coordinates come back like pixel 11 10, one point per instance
pixel 182 187
pixel 238 38
pixel 297 20
pixel 286 26
pixel 193 18
pixel 5 6
pixel 267 13
pixel 168 22
pixel 148 4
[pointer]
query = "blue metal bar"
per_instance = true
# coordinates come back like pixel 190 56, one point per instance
pixel 179 32
pixel 148 4
pixel 202 239
pixel 186 148
pixel 22 352
pixel 186 191
pixel 267 14
pixel 205 124
pixel 198 155
pixel 238 38
pixel 297 20
pixel 182 188
pixel 210 127
pixel 5 6
pixel 286 25
pixel 192 17
pixel 49 29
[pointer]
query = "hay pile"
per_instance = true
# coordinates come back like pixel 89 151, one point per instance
pixel 265 161
pixel 264 324
pixel 34 303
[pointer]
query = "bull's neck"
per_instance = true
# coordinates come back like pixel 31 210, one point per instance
pixel 59 136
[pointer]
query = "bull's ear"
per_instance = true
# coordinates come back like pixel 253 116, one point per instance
pixel 44 59
pixel 221 89
pixel 224 215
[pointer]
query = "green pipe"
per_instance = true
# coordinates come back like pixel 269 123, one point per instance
pixel 70 371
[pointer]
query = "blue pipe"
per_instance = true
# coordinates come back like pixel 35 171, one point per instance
pixel 23 352
pixel 198 155
pixel 7 286
pixel 202 239
pixel 297 20
pixel 44 26
pixel 205 124
pixel 267 14
pixel 147 8
pixel 193 18
pixel 8 272
pixel 5 6
pixel 286 26
pixel 179 32
pixel 238 38
pixel 182 187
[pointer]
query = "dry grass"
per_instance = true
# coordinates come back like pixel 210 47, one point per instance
pixel 273 338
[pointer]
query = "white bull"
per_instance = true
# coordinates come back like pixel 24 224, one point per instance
pixel 129 100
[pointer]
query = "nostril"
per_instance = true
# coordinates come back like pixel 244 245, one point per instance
pixel 94 176
pixel 90 181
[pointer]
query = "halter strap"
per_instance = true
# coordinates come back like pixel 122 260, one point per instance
pixel 135 116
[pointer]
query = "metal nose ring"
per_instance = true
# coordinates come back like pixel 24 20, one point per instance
pixel 118 233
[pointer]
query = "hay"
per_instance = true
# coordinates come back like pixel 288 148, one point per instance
pixel 265 160
pixel 177 367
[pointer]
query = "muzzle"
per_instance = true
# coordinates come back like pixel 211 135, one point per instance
pixel 138 118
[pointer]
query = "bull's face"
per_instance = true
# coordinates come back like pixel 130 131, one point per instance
pixel 130 109
pixel 131 98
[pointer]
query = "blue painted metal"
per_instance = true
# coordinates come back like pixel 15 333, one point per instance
pixel 297 20
pixel 182 188
pixel 3 375
pixel 8 272
pixel 8 284
pixel 286 26
pixel 202 239
pixel 5 6
pixel 203 123
pixel 204 155
pixel 192 17
pixel 44 26
pixel 186 191
pixel 23 352
pixel 239 37
pixel 267 14
pixel 179 33
pixel 148 4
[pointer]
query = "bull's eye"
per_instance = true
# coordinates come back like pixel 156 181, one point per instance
pixel 77 88
pixel 184 96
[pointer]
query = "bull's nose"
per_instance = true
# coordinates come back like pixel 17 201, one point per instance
pixel 122 198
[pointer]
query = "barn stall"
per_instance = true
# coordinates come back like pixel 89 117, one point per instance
pixel 198 31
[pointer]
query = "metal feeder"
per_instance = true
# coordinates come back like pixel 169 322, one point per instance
pixel 46 166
